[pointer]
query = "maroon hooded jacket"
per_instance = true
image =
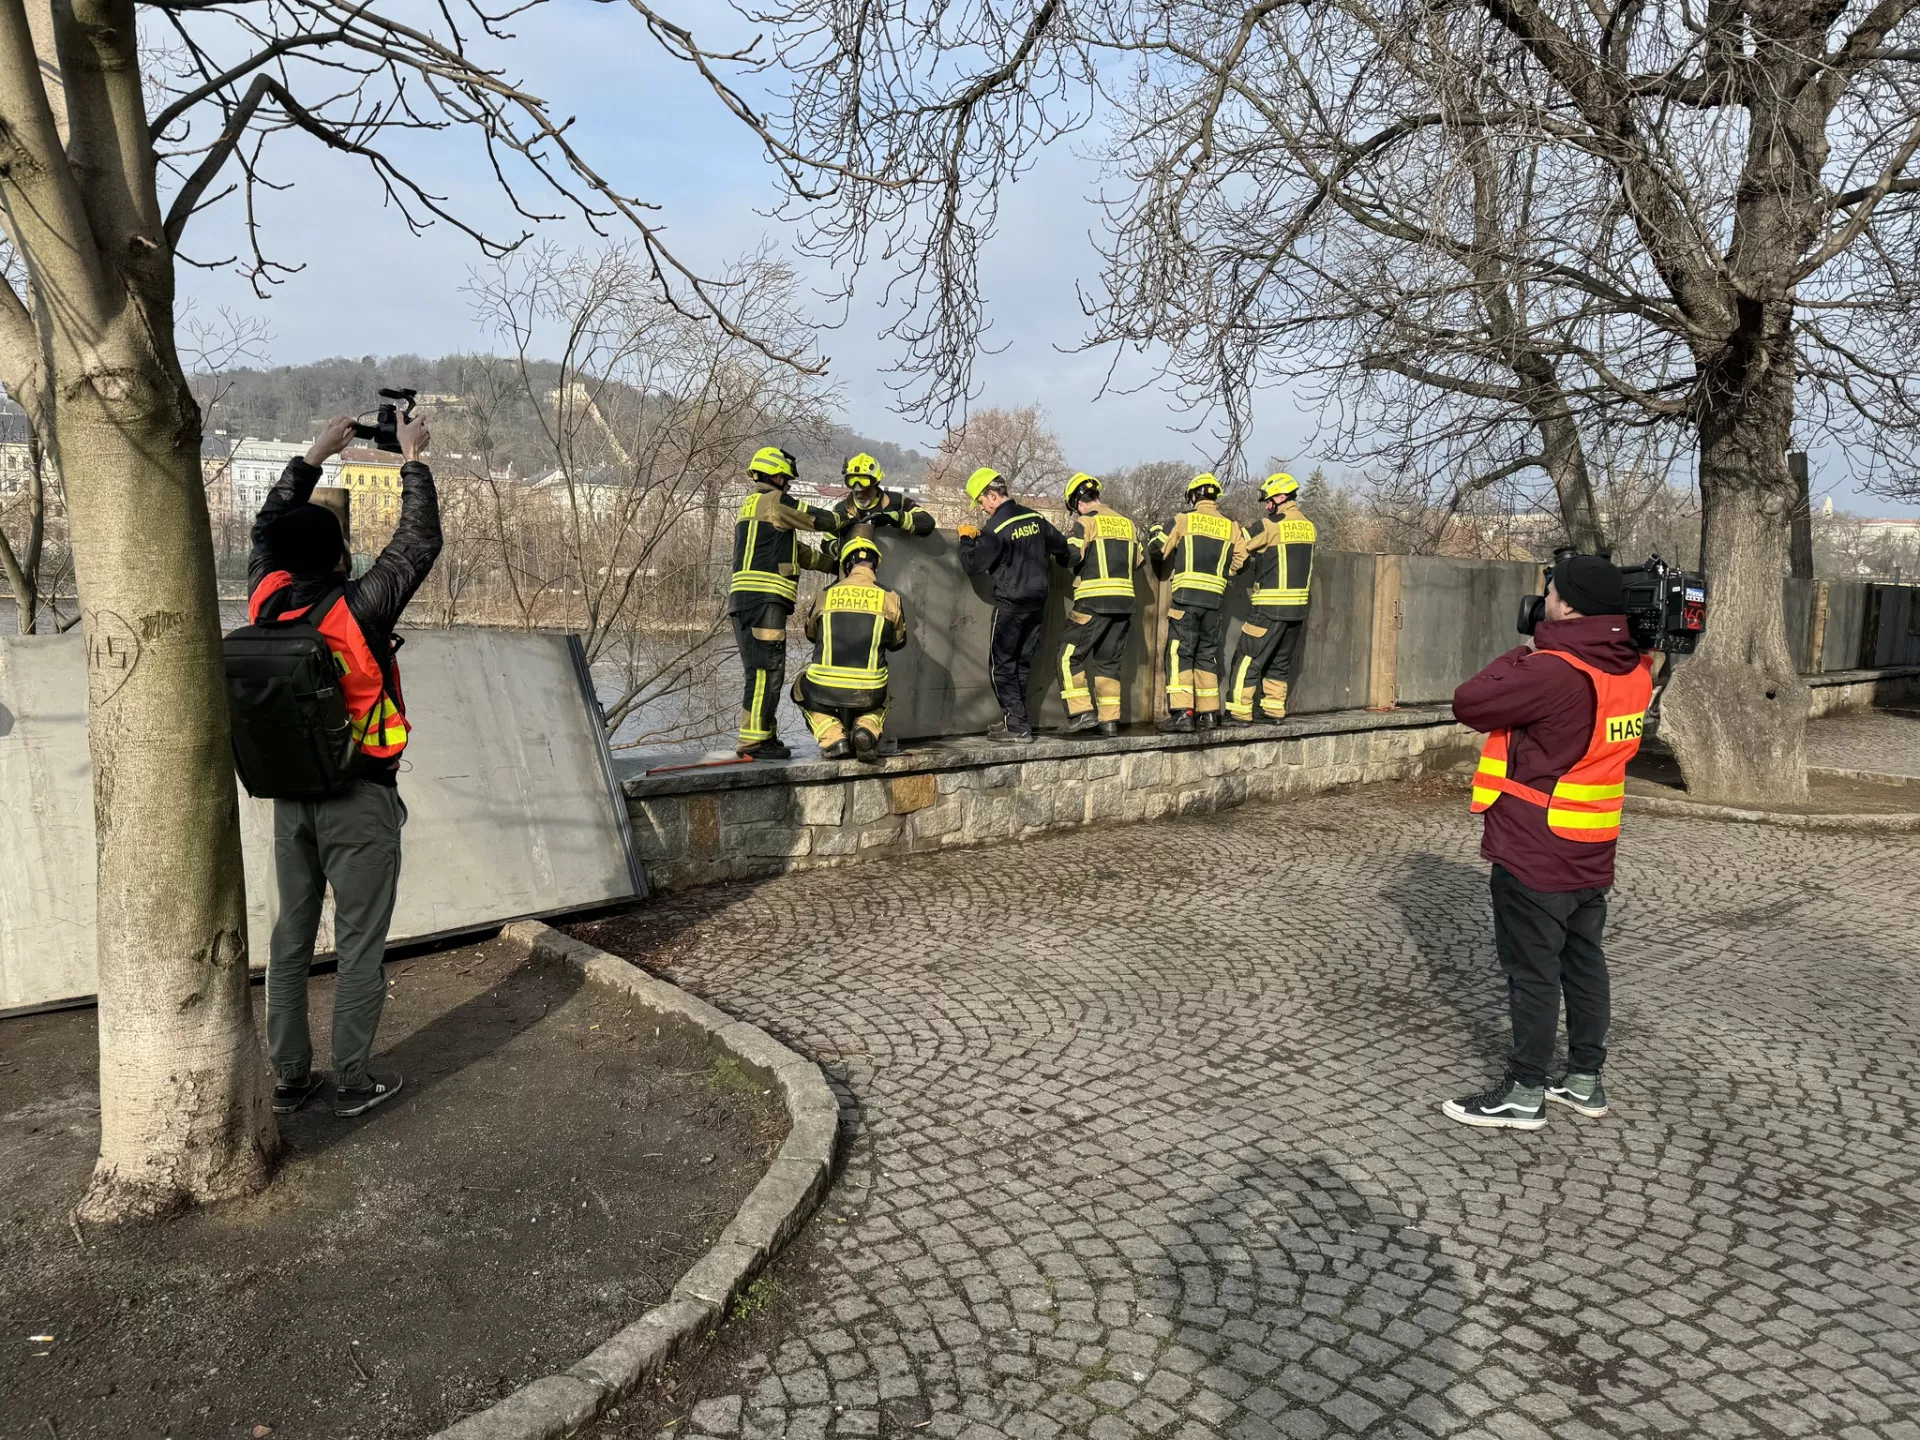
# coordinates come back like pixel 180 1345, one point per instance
pixel 1549 707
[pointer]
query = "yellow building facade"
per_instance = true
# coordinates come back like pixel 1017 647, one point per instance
pixel 372 479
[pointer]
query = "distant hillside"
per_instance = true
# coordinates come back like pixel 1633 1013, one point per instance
pixel 291 402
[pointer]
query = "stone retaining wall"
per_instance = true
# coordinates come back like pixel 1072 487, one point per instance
pixel 1852 692
pixel 735 823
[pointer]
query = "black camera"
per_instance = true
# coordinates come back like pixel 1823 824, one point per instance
pixel 385 430
pixel 1666 608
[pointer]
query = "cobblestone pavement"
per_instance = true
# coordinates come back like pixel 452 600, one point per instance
pixel 1148 1139
pixel 1880 741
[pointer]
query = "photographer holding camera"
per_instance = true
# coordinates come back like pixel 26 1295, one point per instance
pixel 348 837
pixel 1564 716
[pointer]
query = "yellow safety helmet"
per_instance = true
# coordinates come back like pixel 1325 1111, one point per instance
pixel 978 482
pixel 773 462
pixel 1078 483
pixel 858 545
pixel 1279 486
pixel 1202 482
pixel 863 469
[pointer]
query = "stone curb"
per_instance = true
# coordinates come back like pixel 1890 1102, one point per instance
pixel 1689 810
pixel 560 1405
pixel 1874 777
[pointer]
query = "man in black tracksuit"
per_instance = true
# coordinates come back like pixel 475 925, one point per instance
pixel 1013 545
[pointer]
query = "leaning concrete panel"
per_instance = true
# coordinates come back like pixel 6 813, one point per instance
pixel 938 685
pixel 1456 615
pixel 1798 604
pixel 1332 668
pixel 510 810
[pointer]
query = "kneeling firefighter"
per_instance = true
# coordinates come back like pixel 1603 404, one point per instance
pixel 1105 555
pixel 767 560
pixel 1204 548
pixel 1281 554
pixel 868 503
pixel 853 624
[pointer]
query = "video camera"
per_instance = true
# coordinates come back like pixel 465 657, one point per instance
pixel 385 430
pixel 1666 608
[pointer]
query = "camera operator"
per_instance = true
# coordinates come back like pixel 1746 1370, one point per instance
pixel 350 840
pixel 1564 717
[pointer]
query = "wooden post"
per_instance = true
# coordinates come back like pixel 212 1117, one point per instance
pixel 1817 628
pixel 1383 681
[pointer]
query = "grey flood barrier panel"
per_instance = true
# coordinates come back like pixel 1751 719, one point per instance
pixel 1455 616
pixel 512 812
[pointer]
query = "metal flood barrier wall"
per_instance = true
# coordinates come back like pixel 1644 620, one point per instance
pixel 1382 630
pixel 513 811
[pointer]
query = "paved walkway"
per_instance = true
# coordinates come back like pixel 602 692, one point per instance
pixel 1882 742
pixel 1149 1139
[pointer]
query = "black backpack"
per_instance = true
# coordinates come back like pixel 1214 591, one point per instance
pixel 292 738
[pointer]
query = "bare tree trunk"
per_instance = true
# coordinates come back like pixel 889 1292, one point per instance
pixel 184 1113
pixel 1562 453
pixel 1736 712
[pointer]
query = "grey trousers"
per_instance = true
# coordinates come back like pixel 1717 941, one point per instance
pixel 352 842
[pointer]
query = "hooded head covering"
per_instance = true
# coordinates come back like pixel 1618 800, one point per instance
pixel 306 540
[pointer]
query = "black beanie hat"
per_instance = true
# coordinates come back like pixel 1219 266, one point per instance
pixel 306 540
pixel 1590 584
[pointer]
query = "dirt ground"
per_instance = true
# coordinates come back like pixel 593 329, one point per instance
pixel 1658 773
pixel 551 1169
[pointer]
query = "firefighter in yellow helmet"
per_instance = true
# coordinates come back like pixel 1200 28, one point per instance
pixel 1281 555
pixel 1105 553
pixel 767 560
pixel 853 624
pixel 869 503
pixel 1203 549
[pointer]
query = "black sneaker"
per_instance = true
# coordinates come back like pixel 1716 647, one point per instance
pixel 1581 1091
pixel 866 745
pixel 1004 734
pixel 377 1091
pixel 1109 729
pixel 772 748
pixel 290 1095
pixel 1180 722
pixel 1081 723
pixel 1508 1106
pixel 838 750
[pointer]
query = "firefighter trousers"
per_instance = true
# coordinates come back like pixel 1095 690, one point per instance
pixel 760 634
pixel 1193 657
pixel 1090 662
pixel 835 724
pixel 1016 635
pixel 1263 666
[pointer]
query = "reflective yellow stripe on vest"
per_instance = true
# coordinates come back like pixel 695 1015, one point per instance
pixel 1482 795
pixel 1205 527
pixel 858 600
pixel 750 579
pixel 1292 532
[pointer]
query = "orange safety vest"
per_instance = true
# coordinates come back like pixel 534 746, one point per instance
pixel 377 712
pixel 1586 801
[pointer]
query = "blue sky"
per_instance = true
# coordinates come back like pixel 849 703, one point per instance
pixel 370 286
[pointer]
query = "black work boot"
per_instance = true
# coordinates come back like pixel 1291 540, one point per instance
pixel 1109 729
pixel 1079 725
pixel 771 748
pixel 838 750
pixel 866 745
pixel 1207 720
pixel 1230 721
pixel 1180 722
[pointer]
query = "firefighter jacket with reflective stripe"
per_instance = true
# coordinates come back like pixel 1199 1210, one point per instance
pixel 374 706
pixel 891 508
pixel 1013 546
pixel 1206 548
pixel 767 554
pixel 1280 554
pixel 1586 801
pixel 853 625
pixel 1105 554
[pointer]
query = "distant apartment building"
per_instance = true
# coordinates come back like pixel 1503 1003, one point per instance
pixel 372 480
pixel 257 465
pixel 16 455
